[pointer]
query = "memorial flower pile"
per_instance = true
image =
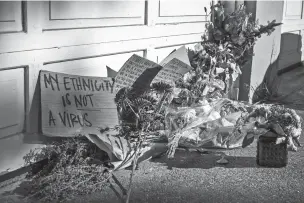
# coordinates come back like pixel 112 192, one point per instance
pixel 196 113
pixel 218 60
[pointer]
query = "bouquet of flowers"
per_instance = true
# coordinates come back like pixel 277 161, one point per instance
pixel 285 122
pixel 229 124
pixel 226 46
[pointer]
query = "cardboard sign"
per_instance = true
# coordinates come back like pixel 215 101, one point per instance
pixel 131 70
pixel 180 54
pixel 72 104
pixel 172 71
pixel 141 72
pixel 111 73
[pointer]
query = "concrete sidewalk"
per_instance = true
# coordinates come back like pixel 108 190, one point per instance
pixel 195 177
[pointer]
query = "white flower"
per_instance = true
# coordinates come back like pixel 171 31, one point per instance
pixel 293 132
pixel 286 114
pixel 188 76
pixel 198 47
pixel 189 115
pixel 219 70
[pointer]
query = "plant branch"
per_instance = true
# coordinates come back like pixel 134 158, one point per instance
pixel 134 165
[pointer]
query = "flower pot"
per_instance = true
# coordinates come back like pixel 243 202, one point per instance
pixel 270 154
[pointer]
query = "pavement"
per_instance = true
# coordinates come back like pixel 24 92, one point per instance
pixel 195 177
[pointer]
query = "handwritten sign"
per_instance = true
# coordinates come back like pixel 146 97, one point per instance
pixel 180 54
pixel 131 70
pixel 142 72
pixel 73 104
pixel 172 71
pixel 111 73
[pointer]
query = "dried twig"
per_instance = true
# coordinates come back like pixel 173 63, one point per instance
pixel 134 165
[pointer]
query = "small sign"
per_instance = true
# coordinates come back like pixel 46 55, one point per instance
pixel 181 54
pixel 140 72
pixel 172 71
pixel 111 73
pixel 72 104
pixel 134 67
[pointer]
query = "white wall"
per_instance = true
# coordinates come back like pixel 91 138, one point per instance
pixel 77 37
pixel 266 50
pixel 292 34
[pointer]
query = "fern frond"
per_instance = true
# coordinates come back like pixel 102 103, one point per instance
pixel 140 103
pixel 161 87
pixel 149 98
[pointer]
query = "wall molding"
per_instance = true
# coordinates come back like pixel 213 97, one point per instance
pixel 16 24
pixel 63 38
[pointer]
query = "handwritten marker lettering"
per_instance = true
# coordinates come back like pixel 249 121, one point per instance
pixel 72 104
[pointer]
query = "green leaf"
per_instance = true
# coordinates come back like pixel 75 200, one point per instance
pixel 277 129
pixel 248 139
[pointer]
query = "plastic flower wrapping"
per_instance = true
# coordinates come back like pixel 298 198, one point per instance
pixel 229 124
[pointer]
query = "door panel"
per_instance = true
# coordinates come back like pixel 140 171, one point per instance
pixel 10 16
pixel 92 66
pixel 12 101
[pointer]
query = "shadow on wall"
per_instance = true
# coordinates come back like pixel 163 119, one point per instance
pixel 279 82
pixel 37 138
